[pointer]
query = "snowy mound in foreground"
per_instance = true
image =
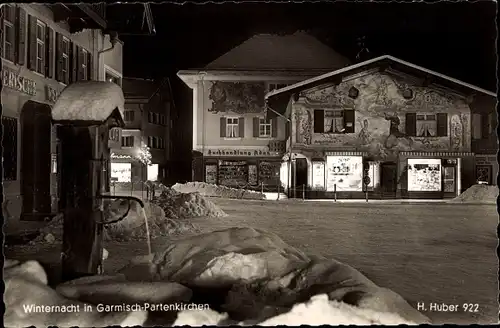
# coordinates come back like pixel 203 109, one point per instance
pixel 211 190
pixel 317 311
pixel 478 194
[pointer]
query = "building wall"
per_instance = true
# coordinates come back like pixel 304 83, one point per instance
pixel 379 124
pixel 46 91
pixel 218 99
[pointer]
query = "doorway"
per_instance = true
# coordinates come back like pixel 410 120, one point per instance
pixel 36 127
pixel 389 180
pixel 299 183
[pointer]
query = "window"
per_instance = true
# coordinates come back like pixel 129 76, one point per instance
pixel 112 78
pixel 476 126
pixel 85 71
pixel 264 128
pixel 334 121
pixel 9 33
pixel 128 141
pixel 426 125
pixel 114 134
pixel 9 145
pixel 129 115
pixel 232 127
pixel 150 142
pixel 162 119
pixel 40 47
pixel 65 60
pixel 161 143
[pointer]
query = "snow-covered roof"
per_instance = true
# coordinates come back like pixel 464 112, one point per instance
pixel 91 101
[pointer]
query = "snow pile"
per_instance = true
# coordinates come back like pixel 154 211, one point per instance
pixel 211 190
pixel 319 310
pixel 187 205
pixel 253 275
pixel 88 101
pixel 478 193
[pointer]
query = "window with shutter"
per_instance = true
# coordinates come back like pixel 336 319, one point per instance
pixel 49 52
pixel 222 127
pixel 349 121
pixel 9 33
pixel 319 118
pixel 411 124
pixel 21 36
pixel 40 47
pixel 232 125
pixel 265 127
pixel 442 124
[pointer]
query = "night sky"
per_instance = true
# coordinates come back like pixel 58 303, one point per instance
pixel 456 39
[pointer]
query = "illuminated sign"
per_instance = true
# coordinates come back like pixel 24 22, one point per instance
pixel 117 156
pixel 17 82
pixel 243 152
pixel 121 172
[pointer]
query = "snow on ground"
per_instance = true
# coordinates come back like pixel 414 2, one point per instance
pixel 211 190
pixel 478 193
pixel 424 252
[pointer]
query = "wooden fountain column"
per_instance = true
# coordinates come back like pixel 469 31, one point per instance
pixel 82 147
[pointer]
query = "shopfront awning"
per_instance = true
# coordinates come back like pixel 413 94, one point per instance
pixel 90 103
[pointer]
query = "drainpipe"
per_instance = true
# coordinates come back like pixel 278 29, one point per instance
pixel 113 38
pixel 202 78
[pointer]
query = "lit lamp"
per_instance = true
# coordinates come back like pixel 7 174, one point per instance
pixel 408 94
pixel 353 92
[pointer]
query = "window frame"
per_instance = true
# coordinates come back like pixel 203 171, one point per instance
pixel 129 112
pixel 124 144
pixel 266 125
pixel 66 44
pixel 426 119
pixel 42 58
pixel 333 118
pixel 232 125
pixel 12 25
pixel 85 58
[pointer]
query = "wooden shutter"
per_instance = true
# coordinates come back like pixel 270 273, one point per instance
pixel 485 126
pixel 90 67
pixel 411 124
pixel 274 127
pixel 222 127
pixel 73 57
pixel 32 42
pixel 3 9
pixel 319 121
pixel 21 36
pixel 241 127
pixel 81 73
pixel 49 52
pixel 256 121
pixel 442 124
pixel 349 120
pixel 59 58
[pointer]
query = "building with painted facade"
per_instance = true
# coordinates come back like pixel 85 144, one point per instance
pixel 149 118
pixel 45 47
pixel 234 144
pixel 383 127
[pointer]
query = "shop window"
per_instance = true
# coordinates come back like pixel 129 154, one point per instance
pixel 9 145
pixel 426 125
pixel 128 141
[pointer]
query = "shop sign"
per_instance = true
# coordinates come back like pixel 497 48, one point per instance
pixel 51 94
pixel 17 82
pixel 118 156
pixel 237 152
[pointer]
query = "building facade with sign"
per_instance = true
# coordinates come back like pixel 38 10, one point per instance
pixel 150 115
pixel 41 54
pixel 233 143
pixel 384 128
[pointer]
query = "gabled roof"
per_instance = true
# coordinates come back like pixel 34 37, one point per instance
pixel 267 51
pixel 138 88
pixel 281 96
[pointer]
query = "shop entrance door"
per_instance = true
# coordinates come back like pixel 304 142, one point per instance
pixel 388 180
pixel 36 161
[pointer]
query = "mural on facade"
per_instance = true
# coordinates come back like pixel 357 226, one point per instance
pixel 237 97
pixel 380 117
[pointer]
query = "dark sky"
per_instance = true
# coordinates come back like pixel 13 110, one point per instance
pixel 456 39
